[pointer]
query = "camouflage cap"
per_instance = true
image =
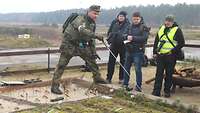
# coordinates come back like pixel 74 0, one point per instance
pixel 170 18
pixel 95 8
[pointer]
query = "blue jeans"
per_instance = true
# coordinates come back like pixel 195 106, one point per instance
pixel 136 58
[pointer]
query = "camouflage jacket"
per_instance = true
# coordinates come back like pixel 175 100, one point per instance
pixel 81 28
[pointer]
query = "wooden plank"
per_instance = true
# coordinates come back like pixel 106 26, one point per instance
pixel 32 85
pixel 103 89
pixel 13 82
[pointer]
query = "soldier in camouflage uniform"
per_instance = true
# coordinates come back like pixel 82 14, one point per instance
pixel 79 38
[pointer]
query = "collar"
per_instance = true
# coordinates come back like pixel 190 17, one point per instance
pixel 89 19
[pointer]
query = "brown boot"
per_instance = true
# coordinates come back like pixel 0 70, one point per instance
pixel 99 80
pixel 55 89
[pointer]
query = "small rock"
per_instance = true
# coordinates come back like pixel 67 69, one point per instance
pixel 36 90
pixel 16 108
pixel 74 89
pixel 57 99
pixel 111 90
pixel 106 97
pixel 21 95
pixel 1 106
pixel 118 109
pixel 46 91
pixel 37 100
pixel 45 97
pixel 132 96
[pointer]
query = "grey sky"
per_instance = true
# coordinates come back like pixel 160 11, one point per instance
pixel 8 6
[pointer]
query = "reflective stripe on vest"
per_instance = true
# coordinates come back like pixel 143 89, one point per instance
pixel 167 46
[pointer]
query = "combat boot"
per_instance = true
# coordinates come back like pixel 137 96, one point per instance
pixel 99 80
pixel 55 89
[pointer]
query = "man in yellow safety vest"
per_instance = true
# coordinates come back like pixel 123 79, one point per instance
pixel 168 41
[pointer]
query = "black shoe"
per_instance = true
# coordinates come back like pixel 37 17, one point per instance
pixel 138 89
pixel 167 95
pixel 109 81
pixel 127 88
pixel 155 94
pixel 120 82
pixel 99 80
pixel 55 89
pixel 85 68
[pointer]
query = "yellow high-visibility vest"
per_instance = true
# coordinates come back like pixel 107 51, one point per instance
pixel 167 46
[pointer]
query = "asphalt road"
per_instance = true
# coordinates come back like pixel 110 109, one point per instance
pixel 7 61
pixel 43 59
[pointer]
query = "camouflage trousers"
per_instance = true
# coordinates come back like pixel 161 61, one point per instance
pixel 68 50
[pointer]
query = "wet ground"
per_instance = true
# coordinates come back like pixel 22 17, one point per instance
pixel 20 99
pixel 42 95
pixel 31 97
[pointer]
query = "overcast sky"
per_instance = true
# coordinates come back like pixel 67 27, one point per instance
pixel 8 6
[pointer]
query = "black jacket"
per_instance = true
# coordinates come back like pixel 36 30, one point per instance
pixel 117 32
pixel 140 34
pixel 178 37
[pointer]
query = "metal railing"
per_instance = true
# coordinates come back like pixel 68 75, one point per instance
pixel 50 51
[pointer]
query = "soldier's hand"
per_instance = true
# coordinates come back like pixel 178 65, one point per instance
pixel 96 56
pixel 99 37
pixel 155 55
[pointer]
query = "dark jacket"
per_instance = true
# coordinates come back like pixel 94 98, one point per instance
pixel 117 32
pixel 178 37
pixel 140 35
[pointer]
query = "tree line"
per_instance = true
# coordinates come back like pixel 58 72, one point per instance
pixel 186 15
